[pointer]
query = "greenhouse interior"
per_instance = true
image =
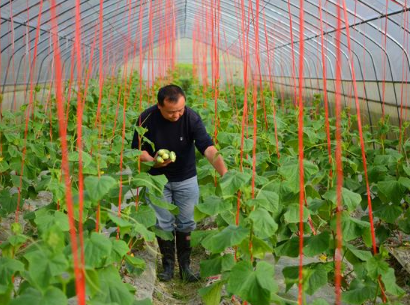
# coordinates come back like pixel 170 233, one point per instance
pixel 204 152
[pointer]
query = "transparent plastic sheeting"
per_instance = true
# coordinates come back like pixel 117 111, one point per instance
pixel 379 37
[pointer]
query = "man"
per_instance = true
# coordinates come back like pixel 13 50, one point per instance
pixel 173 126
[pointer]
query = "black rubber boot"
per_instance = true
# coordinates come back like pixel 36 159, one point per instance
pixel 184 253
pixel 167 248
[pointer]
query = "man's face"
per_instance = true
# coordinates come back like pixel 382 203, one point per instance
pixel 172 111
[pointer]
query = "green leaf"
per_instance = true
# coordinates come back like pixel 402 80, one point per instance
pixel 407 170
pixel 97 188
pixel 54 238
pixel 145 216
pixel 139 229
pixel 45 221
pixel 37 149
pixel 119 249
pixel 8 202
pixel 316 244
pixel 228 237
pixel 211 294
pixel 388 212
pixel 134 264
pixel 155 184
pixel 166 235
pixel 349 199
pixel 351 227
pixel 289 248
pixel 96 250
pixel 391 190
pixel 360 254
pixel 216 265
pixel 314 276
pixel 389 281
pixel 263 223
pixel 290 171
pixel 198 236
pixel 359 292
pixel 405 182
pixel 51 296
pixel 74 157
pixel 163 204
pixel 112 289
pixel 292 214
pixel 124 225
pixel 4 166
pixel 268 200
pixel 376 266
pixel 233 181
pixel 317 278
pixel 213 205
pixel 254 286
pixel 42 267
pixel 259 248
pixel 8 267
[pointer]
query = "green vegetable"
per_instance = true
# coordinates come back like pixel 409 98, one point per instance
pixel 172 156
pixel 160 160
pixel 162 152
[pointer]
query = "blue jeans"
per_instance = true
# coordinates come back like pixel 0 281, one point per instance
pixel 185 195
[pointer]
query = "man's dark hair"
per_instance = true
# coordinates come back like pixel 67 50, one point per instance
pixel 171 93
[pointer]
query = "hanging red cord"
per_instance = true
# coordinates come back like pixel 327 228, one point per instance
pixel 293 53
pixel 79 276
pixel 271 84
pixel 325 97
pixel 404 74
pixel 301 153
pixel 77 46
pixel 339 168
pixel 384 55
pixel 362 146
pixel 28 109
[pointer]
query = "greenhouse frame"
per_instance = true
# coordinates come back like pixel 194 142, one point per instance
pixel 299 112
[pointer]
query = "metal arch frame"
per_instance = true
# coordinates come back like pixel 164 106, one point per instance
pixel 405 52
pixel 368 21
pixel 360 44
pixel 62 29
pixel 370 24
pixel 331 66
pixel 383 15
pixel 314 47
pixel 275 38
pixel 49 31
pixel 132 26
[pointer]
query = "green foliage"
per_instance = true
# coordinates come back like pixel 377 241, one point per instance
pixel 267 218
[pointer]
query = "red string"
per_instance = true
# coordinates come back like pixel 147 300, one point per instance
pixel 79 278
pixel 339 168
pixel 293 53
pixel 301 153
pixel 271 84
pixel 28 109
pixel 404 74
pixel 384 55
pixel 79 128
pixel 329 149
pixel 359 125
